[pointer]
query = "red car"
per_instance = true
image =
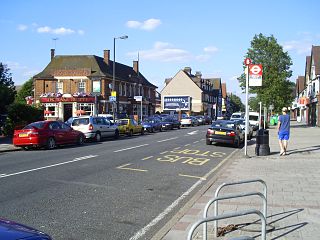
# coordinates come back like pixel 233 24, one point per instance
pixel 47 134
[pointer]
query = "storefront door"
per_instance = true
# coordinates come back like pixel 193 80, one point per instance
pixel 67 111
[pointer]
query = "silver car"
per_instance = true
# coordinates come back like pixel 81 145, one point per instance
pixel 95 127
pixel 242 123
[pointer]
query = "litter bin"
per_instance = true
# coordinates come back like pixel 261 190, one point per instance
pixel 262 142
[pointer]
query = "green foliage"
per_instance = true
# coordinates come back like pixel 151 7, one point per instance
pixel 276 88
pixel 25 91
pixel 20 114
pixel 7 88
pixel 236 104
pixel 254 104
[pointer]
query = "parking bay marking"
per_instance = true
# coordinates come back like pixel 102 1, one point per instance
pixel 190 176
pixel 164 140
pixel 124 167
pixel 49 166
pixel 129 148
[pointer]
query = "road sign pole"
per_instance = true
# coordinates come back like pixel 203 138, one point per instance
pixel 247 113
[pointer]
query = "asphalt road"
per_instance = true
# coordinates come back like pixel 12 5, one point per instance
pixel 117 189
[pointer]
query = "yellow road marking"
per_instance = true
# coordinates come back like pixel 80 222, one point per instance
pixel 190 176
pixel 131 169
pixel 146 158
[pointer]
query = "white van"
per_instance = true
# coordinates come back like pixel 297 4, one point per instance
pixel 254 120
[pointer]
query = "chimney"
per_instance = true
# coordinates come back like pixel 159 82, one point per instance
pixel 136 66
pixel 106 56
pixel 198 74
pixel 52 53
pixel 187 70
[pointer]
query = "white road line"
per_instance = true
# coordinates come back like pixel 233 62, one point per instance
pixel 168 139
pixel 193 132
pixel 125 149
pixel 143 231
pixel 49 166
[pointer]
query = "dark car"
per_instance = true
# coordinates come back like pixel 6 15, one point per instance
pixel 10 230
pixel 225 131
pixel 152 124
pixel 207 119
pixel 47 134
pixel 169 123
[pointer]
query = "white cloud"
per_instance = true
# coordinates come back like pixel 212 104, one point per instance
pixel 148 25
pixel 22 27
pixel 15 66
pixel 30 73
pixel 303 45
pixel 164 52
pixel 211 49
pixel 58 31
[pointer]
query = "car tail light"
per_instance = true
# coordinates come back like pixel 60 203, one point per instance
pixel 210 131
pixel 90 127
pixel 231 134
pixel 33 134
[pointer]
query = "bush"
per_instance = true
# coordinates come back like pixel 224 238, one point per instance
pixel 20 115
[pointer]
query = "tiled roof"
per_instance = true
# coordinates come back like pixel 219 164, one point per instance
pixel 315 55
pixel 300 84
pixel 307 70
pixel 96 65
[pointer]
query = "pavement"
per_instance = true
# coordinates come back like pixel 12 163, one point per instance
pixel 293 192
pixel 293 196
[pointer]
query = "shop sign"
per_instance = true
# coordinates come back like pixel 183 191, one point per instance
pixel 67 99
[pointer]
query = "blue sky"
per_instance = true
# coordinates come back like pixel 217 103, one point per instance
pixel 207 35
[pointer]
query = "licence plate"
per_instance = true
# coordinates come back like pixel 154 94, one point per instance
pixel 23 135
pixel 220 133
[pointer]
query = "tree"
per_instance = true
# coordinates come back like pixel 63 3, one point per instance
pixel 7 88
pixel 254 104
pixel 25 91
pixel 236 104
pixel 276 88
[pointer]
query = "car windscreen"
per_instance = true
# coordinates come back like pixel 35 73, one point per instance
pixel 236 116
pixel 122 122
pixel 223 124
pixel 80 121
pixel 253 118
pixel 37 125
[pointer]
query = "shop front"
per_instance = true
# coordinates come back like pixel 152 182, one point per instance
pixel 64 107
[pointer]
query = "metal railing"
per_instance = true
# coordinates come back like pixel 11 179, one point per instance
pixel 230 215
pixel 239 183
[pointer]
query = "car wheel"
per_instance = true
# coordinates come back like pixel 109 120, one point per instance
pixel 26 148
pixel 130 134
pixel 98 137
pixel 51 143
pixel 237 143
pixel 208 142
pixel 142 131
pixel 80 140
pixel 116 134
pixel 179 127
pixel 250 136
pixel 161 129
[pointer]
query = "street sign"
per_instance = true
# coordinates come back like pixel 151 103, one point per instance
pixel 138 98
pixel 247 61
pixel 113 93
pixel 112 98
pixel 255 75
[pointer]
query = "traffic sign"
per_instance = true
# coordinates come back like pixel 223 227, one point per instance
pixel 247 61
pixel 113 93
pixel 255 75
pixel 112 98
pixel 138 98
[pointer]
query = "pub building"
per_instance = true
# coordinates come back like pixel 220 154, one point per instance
pixel 75 85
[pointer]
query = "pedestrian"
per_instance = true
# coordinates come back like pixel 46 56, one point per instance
pixel 283 131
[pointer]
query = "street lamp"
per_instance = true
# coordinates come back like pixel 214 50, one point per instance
pixel 114 69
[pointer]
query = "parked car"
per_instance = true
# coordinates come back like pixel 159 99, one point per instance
pixel 188 121
pixel 237 115
pixel 48 134
pixel 242 123
pixel 95 127
pixel 152 124
pixel 10 230
pixel 201 119
pixel 225 131
pixel 169 123
pixel 107 116
pixel 129 127
pixel 254 120
pixel 207 119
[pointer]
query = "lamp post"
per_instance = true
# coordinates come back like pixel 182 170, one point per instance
pixel 114 70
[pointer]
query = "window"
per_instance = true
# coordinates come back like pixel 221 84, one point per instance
pixel 59 87
pixel 81 87
pixel 120 89
pixel 142 91
pixel 85 108
pixel 149 93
